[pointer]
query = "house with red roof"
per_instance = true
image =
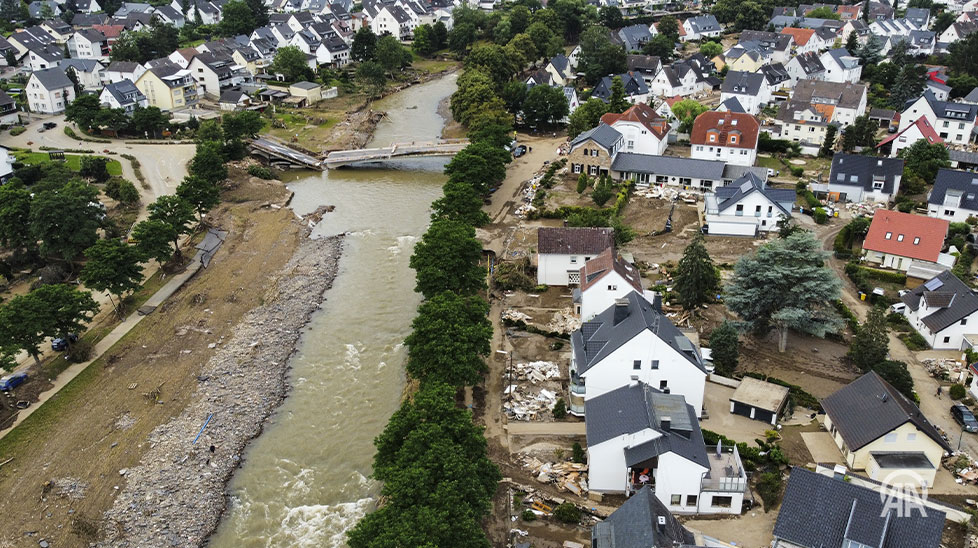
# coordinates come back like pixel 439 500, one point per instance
pixel 727 136
pixel 806 41
pixel 644 130
pixel 896 240
pixel 921 129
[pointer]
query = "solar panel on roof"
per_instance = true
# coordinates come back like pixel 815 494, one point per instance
pixel 931 285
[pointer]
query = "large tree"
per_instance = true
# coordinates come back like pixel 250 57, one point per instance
pixel 49 311
pixel 291 62
pixel 785 285
pixel 200 193
pixel 871 344
pixel 460 38
pixel 237 18
pixel 391 54
pixel 725 348
pixel 924 159
pixel 176 213
pixel 447 259
pixel 15 214
pixel 586 116
pixel 686 112
pixel 208 163
pixel 371 75
pixel 480 164
pixel 66 220
pixel 112 266
pixel 861 133
pixel 460 202
pixel 364 44
pixel 544 105
pixel 450 340
pixel 154 240
pixel 599 55
pixel 697 279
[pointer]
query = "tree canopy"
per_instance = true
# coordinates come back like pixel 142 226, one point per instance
pixel 291 62
pixel 924 159
pixel 696 279
pixel 66 220
pixel 447 259
pixel 112 266
pixel 450 339
pixel 725 348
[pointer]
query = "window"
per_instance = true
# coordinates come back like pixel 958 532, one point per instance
pixel 911 436
pixel 916 240
pixel 675 500
pixel 576 168
pixel 949 212
pixel 573 260
pixel 631 144
pixel 740 209
pixel 964 321
pixel 900 238
pixel 945 123
pixel 713 138
pixel 691 500
pixel 722 502
pixel 947 339
pixel 663 385
pixel 612 288
pixel 637 364
pixel 655 364
pixel 890 438
pixel 888 235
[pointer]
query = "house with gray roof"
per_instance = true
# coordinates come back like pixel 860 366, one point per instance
pixel 593 151
pixel 636 91
pixel 124 95
pixel 634 37
pixel 954 196
pixel 747 207
pixel 954 122
pixel 49 91
pixel 643 439
pixel 943 310
pixel 858 178
pixel 561 252
pixel 828 511
pixel 805 66
pixel 749 88
pixel 700 27
pixel 8 110
pixel 641 521
pixel 633 339
pixel 676 171
pixel 879 430
pixel 89 72
pixel 918 16
pixel 841 66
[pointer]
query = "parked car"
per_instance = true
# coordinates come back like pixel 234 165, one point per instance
pixel 60 344
pixel 965 417
pixel 519 151
pixel 12 381
pixel 50 125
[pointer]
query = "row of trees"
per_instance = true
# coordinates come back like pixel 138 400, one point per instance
pixel 87 112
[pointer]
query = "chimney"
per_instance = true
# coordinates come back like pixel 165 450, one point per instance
pixel 662 525
pixel 621 310
pixel 666 423
pixel 839 472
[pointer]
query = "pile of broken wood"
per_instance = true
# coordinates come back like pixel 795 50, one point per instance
pixel 566 476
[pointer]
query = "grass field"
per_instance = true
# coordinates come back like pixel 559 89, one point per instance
pixel 73 161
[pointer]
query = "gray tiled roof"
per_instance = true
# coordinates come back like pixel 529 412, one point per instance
pixel 52 79
pixel 635 524
pixel 863 168
pixel 732 105
pixel 775 73
pixel 869 408
pixel 821 511
pixel 574 241
pixel 120 90
pixel 668 165
pixel 743 83
pixel 952 310
pixel 960 183
pixel 730 195
pixel 603 134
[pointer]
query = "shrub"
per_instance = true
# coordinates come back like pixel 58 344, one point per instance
pixel 957 392
pixel 769 488
pixel 971 220
pixel 79 351
pixel 511 275
pixel 567 513
pixel 582 183
pixel 914 341
pixel 578 455
pixel 17 130
pixel 69 132
pixel 602 193
pixel 821 216
pixel 261 172
pixel 528 515
pixel 560 409
pixel 797 171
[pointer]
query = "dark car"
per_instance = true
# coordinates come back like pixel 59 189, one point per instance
pixel 965 417
pixel 519 151
pixel 12 381
pixel 60 343
pixel 50 125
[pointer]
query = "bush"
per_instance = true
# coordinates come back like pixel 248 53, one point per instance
pixel 260 171
pixel 914 341
pixel 578 455
pixel 797 171
pixel 602 193
pixel 512 276
pixel 821 216
pixel 582 183
pixel 528 515
pixel 567 513
pixel 769 488
pixel 957 392
pixel 15 131
pixel 560 409
pixel 69 132
pixel 79 351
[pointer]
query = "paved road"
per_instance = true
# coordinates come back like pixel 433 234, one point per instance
pixel 395 150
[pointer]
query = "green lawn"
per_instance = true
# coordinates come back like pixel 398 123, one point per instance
pixel 73 161
pixel 770 163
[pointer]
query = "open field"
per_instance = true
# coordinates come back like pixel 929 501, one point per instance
pixel 73 161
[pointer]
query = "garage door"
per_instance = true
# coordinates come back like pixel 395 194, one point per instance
pixel 763 415
pixel 720 228
pixel 741 409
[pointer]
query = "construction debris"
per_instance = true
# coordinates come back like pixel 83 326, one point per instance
pixel 947 369
pixel 515 316
pixel 523 405
pixel 564 322
pixel 566 476
pixel 536 372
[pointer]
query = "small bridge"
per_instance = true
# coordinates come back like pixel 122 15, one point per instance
pixel 283 156
pixel 342 158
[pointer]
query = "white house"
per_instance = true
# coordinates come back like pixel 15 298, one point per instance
pixel 89 72
pixel 561 252
pixel 841 66
pixel 700 28
pixel 805 66
pixel 124 95
pixel 9 114
pixel 88 44
pixel 842 102
pixel 605 279
pixel 633 339
pixel 634 86
pixel 906 137
pixel 954 122
pixel 643 130
pixel 858 178
pixel 49 91
pixel 118 71
pixel 6 164
pixel 954 196
pixel 682 78
pixel 747 207
pixel 896 239
pixel 727 136
pixel 392 19
pixel 640 437
pixel 943 310
pixel 749 88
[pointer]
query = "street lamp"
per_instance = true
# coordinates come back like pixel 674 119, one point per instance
pixel 509 383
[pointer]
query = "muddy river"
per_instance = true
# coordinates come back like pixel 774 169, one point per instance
pixel 305 480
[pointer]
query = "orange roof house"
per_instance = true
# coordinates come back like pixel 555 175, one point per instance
pixel 728 129
pixel 801 36
pixel 894 235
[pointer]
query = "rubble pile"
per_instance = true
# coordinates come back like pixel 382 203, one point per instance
pixel 946 369
pixel 176 494
pixel 863 208
pixel 515 316
pixel 566 476
pixel 669 194
pixel 536 372
pixel 522 404
pixel 564 322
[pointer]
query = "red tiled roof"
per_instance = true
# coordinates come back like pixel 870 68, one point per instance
pixel 642 114
pixel 729 129
pixel 801 36
pixel 673 100
pixel 597 268
pixel 903 230
pixel 925 128
pixel 110 31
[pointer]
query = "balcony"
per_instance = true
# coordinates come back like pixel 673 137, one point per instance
pixel 726 472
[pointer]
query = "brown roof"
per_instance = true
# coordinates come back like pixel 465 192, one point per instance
pixel 906 235
pixel 730 129
pixel 801 36
pixel 594 270
pixel 567 241
pixel 841 94
pixel 642 114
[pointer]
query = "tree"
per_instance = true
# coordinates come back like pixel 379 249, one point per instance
pixel 66 220
pixel 897 374
pixel 176 213
pixel 236 125
pixel 112 266
pixel 852 42
pixel 823 12
pixel 544 105
pixel 371 75
pixel 95 167
pixel 450 339
pixel 68 308
pixel 862 133
pixel 479 164
pixel 493 126
pixel 513 95
pixel 364 44
pixel 828 144
pixel 460 202
pixel 610 16
pixel 543 38
pixel 599 56
pixel 526 47
pixel 943 21
pixel 391 54
pixel 49 311
pixel 924 159
pixel 785 285
pixel 725 348
pixel 475 93
pixel 424 40
pixel 751 16
pixel 291 63
pixel 871 344
pixel 871 52
pixel 697 279
pixel 617 102
pixel 519 19
pixel 711 49
pixel 686 112
pixel 83 111
pixel 154 240
pixel 661 46
pixel 587 115
pixel 200 193
pixel 208 163
pixel 909 85
pixel 460 38
pixel 259 10
pixel 668 26
pixel 15 212
pixel 237 18
pixel 447 259
pixel 148 120
pixel 440 35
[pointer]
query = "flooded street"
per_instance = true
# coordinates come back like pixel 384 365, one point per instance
pixel 305 481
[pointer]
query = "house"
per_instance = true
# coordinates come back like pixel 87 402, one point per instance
pixel 592 152
pixel 633 37
pixel 646 66
pixel 805 66
pixel 641 521
pixel 943 310
pixel 857 178
pixel 822 511
pixel 895 239
pixel 6 164
pixel 683 78
pixel 58 29
pixel 749 88
pixel 919 42
pixel 920 17
pixel 84 8
pixel 919 130
pixel 215 73
pixel 759 400
pixel 958 30
pixel 168 15
pixel 89 73
pixel 887 28
pixel 640 438
pixel 168 87
pixel 747 207
pixel 885 117
pixel 744 58
pixel 882 432
pixel 774 47
pixel 633 339
pixel 635 89
pixel 843 102
pixel 7 53
pixel 777 78
pixel 560 68
pixel 88 44
pixel 562 251
pixel 234 99
pixel 605 279
pixel 805 123
pixel 700 27
pixel 311 92
pixel 118 71
pixel 333 52
pixel 49 91
pixel 940 91
pixel 857 26
pixel 642 129
pixel 392 19
pixel 124 95
pixel 804 39
pixel 685 173
pixel 730 105
pixel 8 110
pixel 570 93
pixel 954 122
pixel 953 197
pixel 727 136
pixel 841 66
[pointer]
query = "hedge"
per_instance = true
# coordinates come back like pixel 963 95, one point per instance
pixel 914 341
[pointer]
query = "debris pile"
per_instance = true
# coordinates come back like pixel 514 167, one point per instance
pixel 515 316
pixel 564 322
pixel 946 369
pixel 525 405
pixel 536 372
pixel 566 476
pixel 863 208
pixel 669 194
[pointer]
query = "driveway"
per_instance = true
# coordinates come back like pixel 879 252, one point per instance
pixel 716 400
pixel 822 447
